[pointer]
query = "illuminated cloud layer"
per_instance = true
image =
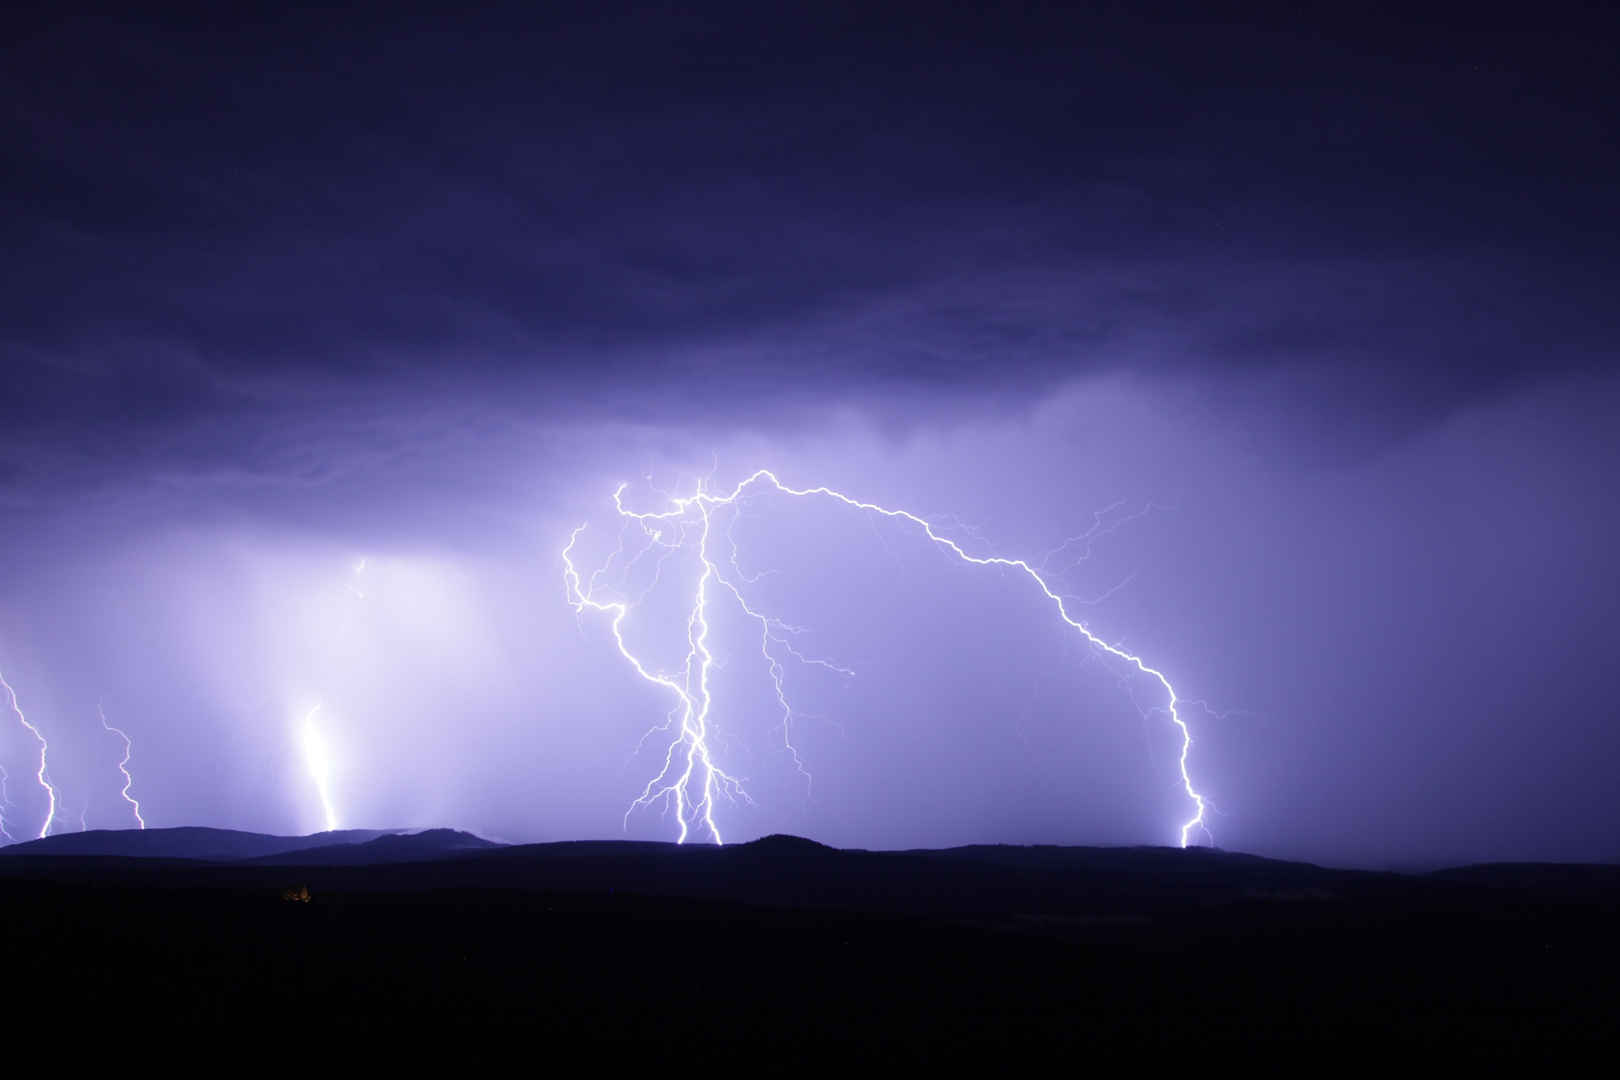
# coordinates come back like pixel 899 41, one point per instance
pixel 324 339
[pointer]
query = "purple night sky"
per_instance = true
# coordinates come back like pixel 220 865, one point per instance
pixel 322 335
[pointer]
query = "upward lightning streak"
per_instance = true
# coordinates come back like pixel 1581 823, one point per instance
pixel 123 766
pixel 690 780
pixel 43 775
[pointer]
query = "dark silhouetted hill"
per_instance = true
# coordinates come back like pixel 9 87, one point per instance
pixel 185 842
pixel 394 847
pixel 903 956
pixel 786 844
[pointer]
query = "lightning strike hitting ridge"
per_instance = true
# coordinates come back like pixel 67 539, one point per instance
pixel 123 767
pixel 691 780
pixel 5 803
pixel 43 775
pixel 319 763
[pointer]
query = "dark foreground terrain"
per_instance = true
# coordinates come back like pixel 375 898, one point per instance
pixel 786 951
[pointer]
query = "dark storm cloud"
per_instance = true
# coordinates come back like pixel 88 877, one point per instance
pixel 286 294
pixel 821 205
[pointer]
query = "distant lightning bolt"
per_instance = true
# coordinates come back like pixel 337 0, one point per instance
pixel 43 775
pixel 691 780
pixel 320 766
pixel 123 766
pixel 359 569
pixel 5 802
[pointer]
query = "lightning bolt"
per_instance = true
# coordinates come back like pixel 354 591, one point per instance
pixel 320 766
pixel 691 780
pixel 5 802
pixel 776 632
pixel 43 775
pixel 359 569
pixel 674 783
pixel 123 766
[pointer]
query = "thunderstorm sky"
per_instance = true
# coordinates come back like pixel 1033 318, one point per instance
pixel 321 334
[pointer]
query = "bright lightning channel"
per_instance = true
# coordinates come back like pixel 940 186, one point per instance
pixel 123 767
pixel 319 761
pixel 43 775
pixel 5 804
pixel 691 780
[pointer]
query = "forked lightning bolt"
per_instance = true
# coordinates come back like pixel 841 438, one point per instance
pixel 691 780
pixel 43 775
pixel 123 767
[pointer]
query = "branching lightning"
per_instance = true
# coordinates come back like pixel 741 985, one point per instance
pixel 123 766
pixel 691 780
pixel 43 775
